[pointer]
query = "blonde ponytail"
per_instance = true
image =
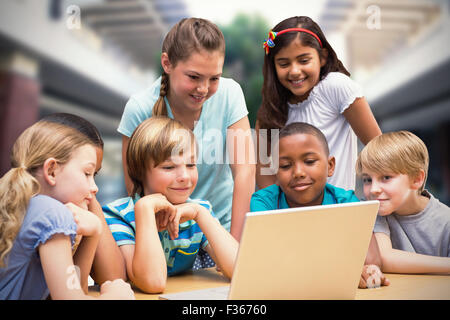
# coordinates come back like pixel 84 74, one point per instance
pixel 36 144
pixel 17 187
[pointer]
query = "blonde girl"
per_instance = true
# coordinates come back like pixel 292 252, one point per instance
pixel 108 262
pixel 192 91
pixel 43 205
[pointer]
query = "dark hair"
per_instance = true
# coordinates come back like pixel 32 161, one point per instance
pixel 80 124
pixel 305 128
pixel 274 109
pixel 187 36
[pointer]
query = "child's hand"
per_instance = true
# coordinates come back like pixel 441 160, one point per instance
pixel 161 207
pixel 184 212
pixel 372 277
pixel 117 289
pixel 88 224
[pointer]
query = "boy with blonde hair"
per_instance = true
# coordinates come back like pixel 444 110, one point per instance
pixel 412 227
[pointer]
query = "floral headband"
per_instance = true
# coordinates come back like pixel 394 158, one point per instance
pixel 272 35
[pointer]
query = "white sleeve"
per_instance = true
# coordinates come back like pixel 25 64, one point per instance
pixel 341 91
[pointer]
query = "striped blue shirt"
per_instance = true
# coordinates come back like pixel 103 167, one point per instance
pixel 180 253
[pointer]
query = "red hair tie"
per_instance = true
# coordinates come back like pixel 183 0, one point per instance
pixel 272 35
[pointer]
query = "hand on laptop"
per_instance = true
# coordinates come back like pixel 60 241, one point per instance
pixel 372 277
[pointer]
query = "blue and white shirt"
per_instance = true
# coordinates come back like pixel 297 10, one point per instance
pixel 180 253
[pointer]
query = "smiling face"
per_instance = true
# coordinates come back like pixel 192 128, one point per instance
pixel 303 169
pixel 175 178
pixel 74 180
pixel 193 80
pixel 394 191
pixel 298 69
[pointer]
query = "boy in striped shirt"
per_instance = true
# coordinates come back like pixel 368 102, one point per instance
pixel 160 230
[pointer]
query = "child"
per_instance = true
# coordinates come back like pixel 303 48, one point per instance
pixel 301 180
pixel 43 205
pixel 412 228
pixel 192 91
pixel 108 261
pixel 161 230
pixel 305 82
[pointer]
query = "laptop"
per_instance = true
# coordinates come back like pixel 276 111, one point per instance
pixel 298 253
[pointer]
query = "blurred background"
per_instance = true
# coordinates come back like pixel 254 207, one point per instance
pixel 87 57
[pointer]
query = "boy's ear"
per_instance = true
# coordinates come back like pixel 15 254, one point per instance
pixel 331 166
pixel 165 63
pixel 49 171
pixel 323 56
pixel 417 181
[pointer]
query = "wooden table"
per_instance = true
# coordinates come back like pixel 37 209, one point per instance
pixel 402 287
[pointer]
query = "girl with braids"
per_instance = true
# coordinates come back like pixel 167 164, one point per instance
pixel 192 91
pixel 44 202
pixel 304 81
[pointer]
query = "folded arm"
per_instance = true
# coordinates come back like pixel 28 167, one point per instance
pixel 399 261
pixel 62 275
pixel 145 261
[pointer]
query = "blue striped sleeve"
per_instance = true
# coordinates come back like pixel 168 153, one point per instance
pixel 204 203
pixel 119 216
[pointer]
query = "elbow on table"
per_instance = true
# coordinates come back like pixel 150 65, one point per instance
pixel 149 282
pixel 227 271
pixel 152 285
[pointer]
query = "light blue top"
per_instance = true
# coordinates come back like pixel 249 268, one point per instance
pixel 23 277
pixel 180 253
pixel 272 198
pixel 224 108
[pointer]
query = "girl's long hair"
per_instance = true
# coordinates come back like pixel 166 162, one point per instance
pixel 189 35
pixel 34 146
pixel 274 108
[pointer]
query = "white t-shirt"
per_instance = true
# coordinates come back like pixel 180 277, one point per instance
pixel 323 109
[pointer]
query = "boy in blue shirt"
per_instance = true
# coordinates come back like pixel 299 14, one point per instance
pixel 303 168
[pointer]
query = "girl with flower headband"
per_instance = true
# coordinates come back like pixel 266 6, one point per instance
pixel 192 91
pixel 304 81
